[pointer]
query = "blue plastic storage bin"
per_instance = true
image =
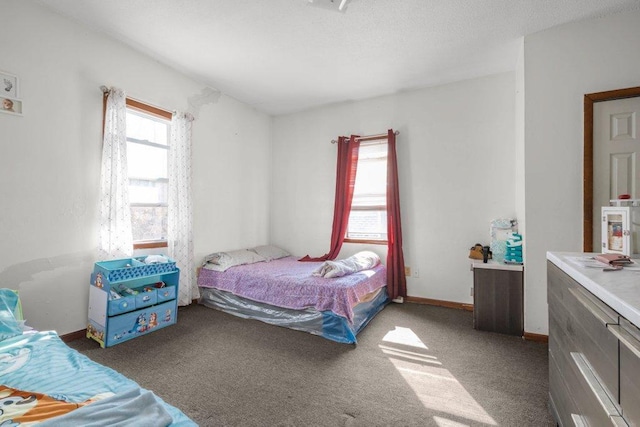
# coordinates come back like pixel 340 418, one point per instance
pixel 140 322
pixel 118 270
pixel 145 299
pixel 166 294
pixel 121 305
pixel 129 298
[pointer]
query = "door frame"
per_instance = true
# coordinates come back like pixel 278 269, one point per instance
pixel 589 100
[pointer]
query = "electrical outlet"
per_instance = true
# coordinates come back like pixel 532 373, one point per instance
pixel 416 272
pixel 407 271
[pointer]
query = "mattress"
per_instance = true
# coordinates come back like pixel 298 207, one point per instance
pixel 289 283
pixel 284 292
pixel 326 324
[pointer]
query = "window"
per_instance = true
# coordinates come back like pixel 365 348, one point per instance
pixel 368 217
pixel 148 134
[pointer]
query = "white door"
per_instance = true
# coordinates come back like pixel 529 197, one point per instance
pixel 616 152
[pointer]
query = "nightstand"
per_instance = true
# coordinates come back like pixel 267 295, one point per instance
pixel 498 297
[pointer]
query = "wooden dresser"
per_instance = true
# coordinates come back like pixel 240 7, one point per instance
pixel 594 343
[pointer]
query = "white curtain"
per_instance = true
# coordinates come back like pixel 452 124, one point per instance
pixel 116 238
pixel 180 233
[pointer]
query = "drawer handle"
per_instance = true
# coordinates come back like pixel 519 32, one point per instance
pixel 594 384
pixel 625 338
pixel 603 317
pixel 578 421
pixel 618 421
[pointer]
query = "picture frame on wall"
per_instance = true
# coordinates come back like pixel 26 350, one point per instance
pixel 8 85
pixel 10 106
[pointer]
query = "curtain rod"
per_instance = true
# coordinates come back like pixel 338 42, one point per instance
pixel 105 90
pixel 371 137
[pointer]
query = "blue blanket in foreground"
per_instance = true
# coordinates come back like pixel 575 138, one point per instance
pixel 133 407
pixel 41 362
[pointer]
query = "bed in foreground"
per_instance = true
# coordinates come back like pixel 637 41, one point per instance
pixel 44 381
pixel 285 292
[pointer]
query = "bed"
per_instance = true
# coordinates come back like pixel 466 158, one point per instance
pixel 44 381
pixel 285 292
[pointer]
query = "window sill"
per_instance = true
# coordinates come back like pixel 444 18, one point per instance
pixel 150 244
pixel 368 242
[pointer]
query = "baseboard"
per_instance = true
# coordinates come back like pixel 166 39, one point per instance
pixel 72 336
pixel 440 303
pixel 536 337
pixel 469 307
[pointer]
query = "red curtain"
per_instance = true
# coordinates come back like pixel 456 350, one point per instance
pixel 345 183
pixel 396 280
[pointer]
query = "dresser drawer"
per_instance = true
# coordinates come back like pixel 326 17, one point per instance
pixel 561 402
pixel 581 320
pixel 585 402
pixel 595 405
pixel 629 337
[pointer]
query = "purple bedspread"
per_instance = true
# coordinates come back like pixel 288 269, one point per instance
pixel 288 283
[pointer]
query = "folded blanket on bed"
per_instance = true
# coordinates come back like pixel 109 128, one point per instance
pixel 361 261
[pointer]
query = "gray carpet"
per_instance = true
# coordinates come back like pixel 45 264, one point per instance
pixel 432 369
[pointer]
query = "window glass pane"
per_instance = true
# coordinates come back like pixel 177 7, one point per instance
pixel 373 151
pixel 145 191
pixel 368 225
pixel 148 174
pixel 369 200
pixel 149 223
pixel 370 192
pixel 146 162
pixel 371 178
pixel 147 128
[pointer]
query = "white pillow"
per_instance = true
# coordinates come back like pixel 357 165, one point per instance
pixel 270 252
pixel 221 261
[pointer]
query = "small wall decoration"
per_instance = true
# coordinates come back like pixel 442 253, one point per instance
pixel 8 85
pixel 9 101
pixel 10 106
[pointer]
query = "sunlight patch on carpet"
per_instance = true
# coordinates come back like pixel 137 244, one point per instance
pixel 404 336
pixel 433 384
pixel 411 355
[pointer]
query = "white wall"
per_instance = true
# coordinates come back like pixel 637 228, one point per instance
pixel 50 163
pixel 456 153
pixel 561 66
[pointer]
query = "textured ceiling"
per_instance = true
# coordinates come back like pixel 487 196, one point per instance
pixel 284 56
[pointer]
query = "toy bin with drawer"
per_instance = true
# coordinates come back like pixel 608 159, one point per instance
pixel 129 298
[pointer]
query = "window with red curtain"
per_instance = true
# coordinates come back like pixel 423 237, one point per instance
pixel 375 213
pixel 367 203
pixel 368 217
